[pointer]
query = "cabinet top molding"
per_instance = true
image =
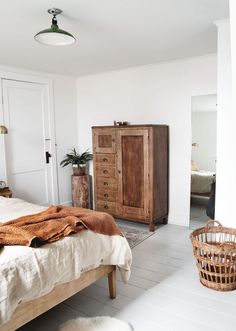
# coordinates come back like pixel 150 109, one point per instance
pixel 131 126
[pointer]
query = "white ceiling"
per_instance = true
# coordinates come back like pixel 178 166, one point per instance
pixel 111 34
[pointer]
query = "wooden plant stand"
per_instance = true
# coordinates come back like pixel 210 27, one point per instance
pixel 81 191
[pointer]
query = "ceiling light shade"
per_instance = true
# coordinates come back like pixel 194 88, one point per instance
pixel 3 129
pixel 55 36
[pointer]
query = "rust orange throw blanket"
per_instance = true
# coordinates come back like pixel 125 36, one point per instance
pixel 53 224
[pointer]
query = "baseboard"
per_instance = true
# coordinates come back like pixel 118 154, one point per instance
pixel 66 203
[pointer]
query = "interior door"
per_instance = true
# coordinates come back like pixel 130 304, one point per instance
pixel 28 145
pixel 133 173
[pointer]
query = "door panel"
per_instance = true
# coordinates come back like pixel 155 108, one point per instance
pixel 133 173
pixel 132 170
pixel 26 112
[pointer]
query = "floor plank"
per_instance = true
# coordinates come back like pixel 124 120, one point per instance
pixel 163 294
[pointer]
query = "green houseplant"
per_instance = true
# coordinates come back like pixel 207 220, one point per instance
pixel 78 161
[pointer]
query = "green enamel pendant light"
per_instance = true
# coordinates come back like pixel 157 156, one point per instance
pixel 55 36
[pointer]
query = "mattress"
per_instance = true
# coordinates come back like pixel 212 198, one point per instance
pixel 201 181
pixel 27 273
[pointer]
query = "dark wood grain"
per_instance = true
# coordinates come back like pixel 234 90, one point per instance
pixel 132 156
pixel 81 196
pixel 104 141
pixel 112 284
pixel 132 171
pixel 160 172
pixel 131 176
pixel 106 159
pixel 106 194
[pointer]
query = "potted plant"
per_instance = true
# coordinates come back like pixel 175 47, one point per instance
pixel 78 161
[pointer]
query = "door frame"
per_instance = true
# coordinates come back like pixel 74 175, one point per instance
pixel 48 83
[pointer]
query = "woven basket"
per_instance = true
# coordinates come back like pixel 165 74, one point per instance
pixel 214 248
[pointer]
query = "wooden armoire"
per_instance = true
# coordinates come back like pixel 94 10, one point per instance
pixel 131 172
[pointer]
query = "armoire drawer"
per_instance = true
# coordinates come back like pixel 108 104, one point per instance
pixel 105 171
pixel 107 195
pixel 106 206
pixel 106 158
pixel 106 183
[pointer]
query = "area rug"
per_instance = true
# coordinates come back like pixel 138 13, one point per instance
pixel 134 236
pixel 102 323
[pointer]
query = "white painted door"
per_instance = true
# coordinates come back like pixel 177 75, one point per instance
pixel 26 115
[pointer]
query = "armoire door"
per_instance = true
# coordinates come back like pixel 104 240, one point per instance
pixel 132 150
pixel 28 146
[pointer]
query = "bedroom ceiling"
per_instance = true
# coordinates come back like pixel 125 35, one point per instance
pixel 111 34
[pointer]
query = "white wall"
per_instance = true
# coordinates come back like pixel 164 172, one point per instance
pixel 233 55
pixel 231 190
pixel 66 130
pixel 204 134
pixel 64 99
pixel 158 93
pixel 226 144
pixel 204 102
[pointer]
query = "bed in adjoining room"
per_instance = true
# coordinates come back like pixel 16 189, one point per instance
pixel 201 182
pixel 33 280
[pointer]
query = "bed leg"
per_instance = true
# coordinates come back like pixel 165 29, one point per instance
pixel 112 284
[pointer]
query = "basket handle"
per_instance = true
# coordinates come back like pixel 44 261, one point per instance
pixel 212 222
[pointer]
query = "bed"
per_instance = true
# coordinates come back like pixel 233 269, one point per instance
pixel 34 280
pixel 201 182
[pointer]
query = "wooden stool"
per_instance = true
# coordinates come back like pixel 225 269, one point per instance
pixel 81 191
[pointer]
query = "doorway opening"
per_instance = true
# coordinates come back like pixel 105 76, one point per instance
pixel 203 159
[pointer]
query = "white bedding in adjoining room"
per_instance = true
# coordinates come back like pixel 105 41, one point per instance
pixel 201 181
pixel 27 273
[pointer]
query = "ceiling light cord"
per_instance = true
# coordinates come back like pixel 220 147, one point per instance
pixel 54 20
pixel 54 25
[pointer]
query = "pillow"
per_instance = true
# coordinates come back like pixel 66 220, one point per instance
pixel 194 166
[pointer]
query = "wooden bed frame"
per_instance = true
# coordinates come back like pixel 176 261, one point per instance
pixel 27 311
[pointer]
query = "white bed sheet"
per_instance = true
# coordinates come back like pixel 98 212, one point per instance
pixel 27 273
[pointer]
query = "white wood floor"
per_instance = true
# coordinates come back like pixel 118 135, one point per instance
pixel 163 294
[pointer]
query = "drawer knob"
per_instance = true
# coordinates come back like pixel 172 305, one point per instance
pixel 106 207
pixel 105 171
pixel 105 159
pixel 105 183
pixel 105 195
